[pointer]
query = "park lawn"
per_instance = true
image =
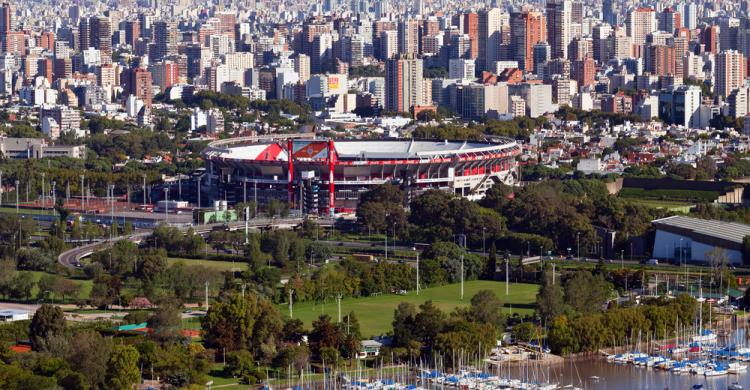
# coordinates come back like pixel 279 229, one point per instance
pixel 217 376
pixel 375 314
pixel 218 265
pixel 24 211
pixel 662 204
pixel 84 284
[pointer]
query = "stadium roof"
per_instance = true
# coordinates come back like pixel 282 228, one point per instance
pixel 405 149
pixel 366 149
pixel 732 232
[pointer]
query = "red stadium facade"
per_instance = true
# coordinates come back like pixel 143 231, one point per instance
pixel 326 177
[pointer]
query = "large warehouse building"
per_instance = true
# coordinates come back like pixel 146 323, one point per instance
pixel 305 172
pixel 688 239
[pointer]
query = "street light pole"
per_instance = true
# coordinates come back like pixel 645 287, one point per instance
pixel 484 229
pixel 44 204
pixel 386 236
pixel 54 196
pixel 166 205
pixel 578 245
pixel 462 277
pixel 112 208
pixel 17 184
pixel 144 192
pixel 417 270
pixel 83 205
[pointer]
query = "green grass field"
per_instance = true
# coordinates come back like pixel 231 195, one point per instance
pixel 24 211
pixel 218 265
pixel 670 194
pixel 683 207
pixel 375 314
pixel 85 286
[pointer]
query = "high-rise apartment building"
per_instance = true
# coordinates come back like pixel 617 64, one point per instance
pixel 138 82
pixel 710 39
pixel 101 37
pixel 669 20
pixel 165 41
pixel 6 22
pixel 558 27
pixel 471 28
pixel 490 24
pixel 584 72
pixel 527 29
pixel 731 69
pixel 640 23
pixel 403 83
pixel 408 37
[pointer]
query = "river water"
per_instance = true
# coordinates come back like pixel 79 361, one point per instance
pixel 624 377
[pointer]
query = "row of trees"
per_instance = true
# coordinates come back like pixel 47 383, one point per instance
pixel 68 357
pixel 549 215
pixel 466 331
pixel 439 265
pixel 249 327
pixel 619 326
pixel 518 128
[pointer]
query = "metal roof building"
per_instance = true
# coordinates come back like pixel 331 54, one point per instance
pixel 679 238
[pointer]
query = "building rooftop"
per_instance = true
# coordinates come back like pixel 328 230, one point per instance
pixel 728 231
pixel 12 312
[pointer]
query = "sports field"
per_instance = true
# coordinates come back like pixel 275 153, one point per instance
pixel 375 314
pixel 217 265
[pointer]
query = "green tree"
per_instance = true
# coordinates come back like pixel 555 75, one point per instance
pixel 587 293
pixel 48 321
pixel 240 365
pixel 549 299
pixel 404 324
pixel 166 323
pixel 486 308
pixel 250 322
pixel 122 368
pixel 561 338
pixel 491 262
pixel 22 285
pixel 429 322
pixel 524 332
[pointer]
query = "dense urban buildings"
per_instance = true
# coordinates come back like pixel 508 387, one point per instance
pixel 372 64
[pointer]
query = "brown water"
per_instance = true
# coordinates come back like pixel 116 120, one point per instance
pixel 620 377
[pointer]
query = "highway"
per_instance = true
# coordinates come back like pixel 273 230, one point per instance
pixel 72 257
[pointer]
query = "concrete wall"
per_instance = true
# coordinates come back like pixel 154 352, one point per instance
pixel 614 187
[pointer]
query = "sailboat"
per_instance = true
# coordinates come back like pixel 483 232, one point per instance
pixel 736 368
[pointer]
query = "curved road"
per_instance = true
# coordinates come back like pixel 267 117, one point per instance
pixel 71 258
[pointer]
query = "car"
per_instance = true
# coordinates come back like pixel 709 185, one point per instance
pixel 653 261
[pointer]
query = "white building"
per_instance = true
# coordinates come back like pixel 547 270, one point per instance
pixel 692 239
pixel 460 68
pixel 214 121
pixel 51 128
pixel 133 106
pixel 198 119
pixel 590 165
pixel 12 315
pixel 538 98
pixel 500 66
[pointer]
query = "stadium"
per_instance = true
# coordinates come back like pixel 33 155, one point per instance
pixel 304 172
